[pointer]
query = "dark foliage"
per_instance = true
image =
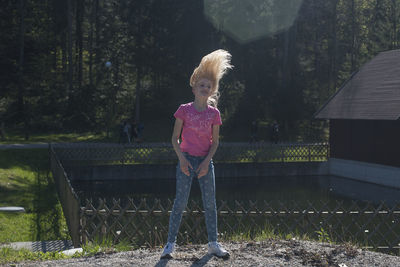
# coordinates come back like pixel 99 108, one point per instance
pixel 54 78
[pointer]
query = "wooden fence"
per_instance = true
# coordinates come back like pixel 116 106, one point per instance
pixel 144 222
pixel 69 200
pixel 162 153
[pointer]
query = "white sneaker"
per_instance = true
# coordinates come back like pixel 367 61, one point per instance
pixel 168 249
pixel 216 249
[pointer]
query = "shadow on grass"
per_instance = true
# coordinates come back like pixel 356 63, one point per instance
pixel 17 195
pixel 48 222
pixel 25 159
pixel 27 182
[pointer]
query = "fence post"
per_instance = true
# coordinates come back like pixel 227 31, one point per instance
pixel 327 151
pixel 83 227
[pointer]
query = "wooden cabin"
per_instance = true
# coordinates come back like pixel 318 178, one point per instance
pixel 364 114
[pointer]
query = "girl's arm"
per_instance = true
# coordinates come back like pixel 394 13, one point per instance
pixel 203 167
pixel 184 163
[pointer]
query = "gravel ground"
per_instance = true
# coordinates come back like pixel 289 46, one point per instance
pixel 266 253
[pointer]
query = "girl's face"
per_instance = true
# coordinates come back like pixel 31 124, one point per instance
pixel 203 88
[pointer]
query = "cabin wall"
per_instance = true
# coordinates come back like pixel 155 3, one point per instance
pixel 374 141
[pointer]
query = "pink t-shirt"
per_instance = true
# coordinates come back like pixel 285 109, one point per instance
pixel 197 128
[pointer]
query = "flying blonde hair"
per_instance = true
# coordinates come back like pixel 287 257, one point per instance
pixel 212 67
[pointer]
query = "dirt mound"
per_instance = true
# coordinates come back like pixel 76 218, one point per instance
pixel 266 253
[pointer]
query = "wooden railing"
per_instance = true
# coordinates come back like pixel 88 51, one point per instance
pixel 163 153
pixel 145 222
pixel 69 200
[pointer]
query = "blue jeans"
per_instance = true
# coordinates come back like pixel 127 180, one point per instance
pixel 183 185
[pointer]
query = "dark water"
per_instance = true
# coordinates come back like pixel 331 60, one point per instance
pixel 299 188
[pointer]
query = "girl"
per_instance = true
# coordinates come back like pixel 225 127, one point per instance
pixel 198 125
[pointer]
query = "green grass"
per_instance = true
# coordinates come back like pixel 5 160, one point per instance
pixel 16 227
pixel 9 255
pixel 104 245
pixel 266 232
pixel 16 137
pixel 25 180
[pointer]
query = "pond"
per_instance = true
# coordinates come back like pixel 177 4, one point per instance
pixel 288 188
pixel 327 208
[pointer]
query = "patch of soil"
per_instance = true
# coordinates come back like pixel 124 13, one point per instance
pixel 293 253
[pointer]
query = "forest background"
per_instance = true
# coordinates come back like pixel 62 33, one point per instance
pixel 55 77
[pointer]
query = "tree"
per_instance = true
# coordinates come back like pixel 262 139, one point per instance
pixel 53 74
pixel 21 108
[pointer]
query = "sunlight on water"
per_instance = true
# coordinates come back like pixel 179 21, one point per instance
pixel 246 21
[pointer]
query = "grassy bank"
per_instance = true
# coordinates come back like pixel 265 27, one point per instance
pixel 9 255
pixel 17 137
pixel 26 181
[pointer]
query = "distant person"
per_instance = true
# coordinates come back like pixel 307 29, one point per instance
pixel 197 123
pixel 254 132
pixel 127 131
pixel 134 132
pixel 275 133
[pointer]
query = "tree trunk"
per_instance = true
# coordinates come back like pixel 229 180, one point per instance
pixel 91 25
pixel 353 37
pixel 22 115
pixel 316 46
pixel 70 65
pixel 97 40
pixel 394 42
pixel 139 70
pixel 79 40
pixel 333 52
